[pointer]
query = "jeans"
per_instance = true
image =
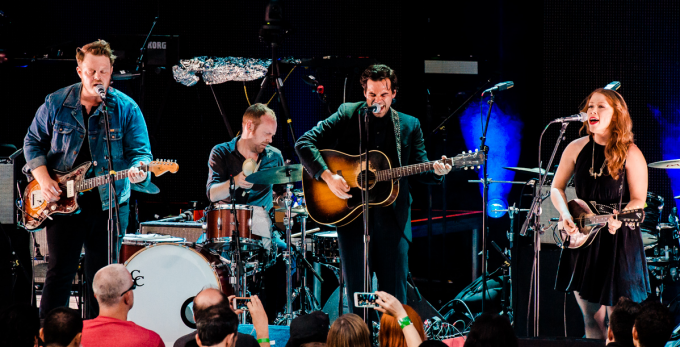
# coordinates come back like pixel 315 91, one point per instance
pixel 66 236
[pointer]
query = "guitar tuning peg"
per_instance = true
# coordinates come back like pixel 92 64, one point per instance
pixel 476 150
pixel 463 152
pixel 479 167
pixel 465 168
pixel 469 151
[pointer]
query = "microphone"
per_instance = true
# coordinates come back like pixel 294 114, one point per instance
pixel 500 87
pixel 375 108
pixel 100 90
pixel 580 117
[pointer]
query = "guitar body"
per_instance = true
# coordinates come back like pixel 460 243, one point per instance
pixel 37 209
pixel 580 209
pixel 326 208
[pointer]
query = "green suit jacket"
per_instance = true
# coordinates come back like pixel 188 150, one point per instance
pixel 340 132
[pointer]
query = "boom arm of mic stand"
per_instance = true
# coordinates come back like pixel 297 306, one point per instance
pixel 535 209
pixel 436 129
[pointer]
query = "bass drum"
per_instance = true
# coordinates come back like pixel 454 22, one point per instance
pixel 173 275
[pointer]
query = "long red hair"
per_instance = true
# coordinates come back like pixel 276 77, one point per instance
pixel 621 128
pixel 390 331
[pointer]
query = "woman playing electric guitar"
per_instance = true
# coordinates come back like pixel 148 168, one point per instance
pixel 608 168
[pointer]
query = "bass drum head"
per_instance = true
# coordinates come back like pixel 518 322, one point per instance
pixel 172 275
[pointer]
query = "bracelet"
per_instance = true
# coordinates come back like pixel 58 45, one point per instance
pixel 404 322
pixel 266 339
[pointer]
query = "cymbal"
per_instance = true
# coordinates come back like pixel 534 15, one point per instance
pixel 277 175
pixel 666 164
pixel 534 170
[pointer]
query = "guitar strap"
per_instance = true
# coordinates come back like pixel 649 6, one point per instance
pixel 623 179
pixel 397 132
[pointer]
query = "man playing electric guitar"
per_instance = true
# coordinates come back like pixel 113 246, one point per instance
pixel 398 136
pixel 69 130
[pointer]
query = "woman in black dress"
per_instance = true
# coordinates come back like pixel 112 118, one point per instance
pixel 614 264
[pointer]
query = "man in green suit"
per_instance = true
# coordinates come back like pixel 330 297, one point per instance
pixel 399 136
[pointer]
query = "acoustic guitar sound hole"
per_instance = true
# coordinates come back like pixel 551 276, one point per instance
pixel 371 179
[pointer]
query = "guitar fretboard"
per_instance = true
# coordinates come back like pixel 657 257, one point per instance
pixel 94 182
pixel 624 216
pixel 397 172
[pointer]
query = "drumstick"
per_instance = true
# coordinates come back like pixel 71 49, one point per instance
pixel 310 231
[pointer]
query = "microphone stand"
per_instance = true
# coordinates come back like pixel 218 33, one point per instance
pixel 113 228
pixel 533 220
pixel 139 64
pixel 364 198
pixel 235 244
pixel 485 198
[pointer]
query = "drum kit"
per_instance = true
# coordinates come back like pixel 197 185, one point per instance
pixel 232 255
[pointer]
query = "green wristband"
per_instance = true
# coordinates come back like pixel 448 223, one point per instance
pixel 266 339
pixel 404 322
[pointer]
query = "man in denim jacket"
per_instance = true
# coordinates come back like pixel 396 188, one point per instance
pixel 56 140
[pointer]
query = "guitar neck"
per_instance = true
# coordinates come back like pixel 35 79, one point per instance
pixel 408 170
pixel 602 218
pixel 94 182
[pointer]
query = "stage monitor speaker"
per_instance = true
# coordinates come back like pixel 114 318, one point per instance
pixel 554 306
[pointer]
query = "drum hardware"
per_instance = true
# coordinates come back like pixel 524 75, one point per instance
pixel 534 170
pixel 310 231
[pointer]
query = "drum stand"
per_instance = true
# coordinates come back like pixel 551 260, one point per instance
pixel 238 273
pixel 303 290
pixel 287 316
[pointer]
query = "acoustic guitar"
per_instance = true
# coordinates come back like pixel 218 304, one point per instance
pixel 324 207
pixel 589 223
pixel 37 210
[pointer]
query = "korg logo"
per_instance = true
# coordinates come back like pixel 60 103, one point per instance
pixel 157 45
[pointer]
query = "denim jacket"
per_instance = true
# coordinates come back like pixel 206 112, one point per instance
pixel 57 133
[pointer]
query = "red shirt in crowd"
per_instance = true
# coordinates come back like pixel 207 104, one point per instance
pixel 107 331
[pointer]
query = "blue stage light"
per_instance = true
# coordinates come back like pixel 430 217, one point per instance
pixel 670 138
pixel 503 138
pixel 493 207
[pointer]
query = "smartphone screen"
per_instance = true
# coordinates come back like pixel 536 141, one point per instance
pixel 240 304
pixel 365 300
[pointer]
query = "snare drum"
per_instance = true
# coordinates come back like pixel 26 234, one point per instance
pixel 173 275
pixel 221 224
pixel 133 243
pixel 325 247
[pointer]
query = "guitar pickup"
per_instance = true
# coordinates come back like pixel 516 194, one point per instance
pixel 70 189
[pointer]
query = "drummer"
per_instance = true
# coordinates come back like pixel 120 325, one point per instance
pixel 249 152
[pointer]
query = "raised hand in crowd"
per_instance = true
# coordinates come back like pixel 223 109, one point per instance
pixel 391 306
pixel 260 321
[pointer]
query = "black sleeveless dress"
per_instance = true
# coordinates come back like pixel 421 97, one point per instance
pixel 613 265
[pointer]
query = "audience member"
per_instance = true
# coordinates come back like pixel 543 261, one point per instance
pixel 113 287
pixel 63 327
pixel 621 321
pixel 310 330
pixel 349 330
pixel 209 297
pixel 653 325
pixel 400 325
pixel 19 326
pixel 216 326
pixel 491 330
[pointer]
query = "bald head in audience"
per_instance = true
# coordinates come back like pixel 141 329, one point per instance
pixel 208 297
pixel 111 287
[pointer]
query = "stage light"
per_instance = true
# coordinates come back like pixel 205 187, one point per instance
pixel 495 206
pixel 503 138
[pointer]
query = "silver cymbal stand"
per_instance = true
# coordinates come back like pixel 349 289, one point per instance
pixel 287 255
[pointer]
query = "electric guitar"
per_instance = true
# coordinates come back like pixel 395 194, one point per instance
pixel 324 207
pixel 37 210
pixel 589 223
